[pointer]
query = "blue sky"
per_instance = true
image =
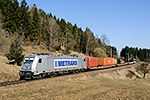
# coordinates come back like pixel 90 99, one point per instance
pixel 124 22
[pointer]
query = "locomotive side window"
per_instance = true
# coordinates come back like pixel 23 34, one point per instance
pixel 40 60
pixel 84 60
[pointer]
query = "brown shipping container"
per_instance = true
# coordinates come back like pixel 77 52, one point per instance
pixel 105 61
pixel 91 61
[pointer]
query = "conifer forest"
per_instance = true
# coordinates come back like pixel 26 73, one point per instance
pixel 35 27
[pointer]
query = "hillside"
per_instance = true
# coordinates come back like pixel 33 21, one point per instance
pixel 9 72
pixel 36 27
pixel 100 84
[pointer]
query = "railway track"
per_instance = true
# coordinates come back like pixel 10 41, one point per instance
pixel 9 83
pixel 12 82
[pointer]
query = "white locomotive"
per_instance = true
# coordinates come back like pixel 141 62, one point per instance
pixel 42 64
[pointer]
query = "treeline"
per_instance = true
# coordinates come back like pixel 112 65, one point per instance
pixel 36 27
pixel 129 52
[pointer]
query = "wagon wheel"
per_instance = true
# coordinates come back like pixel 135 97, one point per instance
pixel 79 70
pixel 54 74
pixel 61 74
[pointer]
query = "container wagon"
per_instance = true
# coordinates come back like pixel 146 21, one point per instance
pixel 91 62
pixel 105 62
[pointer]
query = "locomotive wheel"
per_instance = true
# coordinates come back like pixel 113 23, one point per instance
pixel 73 72
pixel 40 76
pixel 61 74
pixel 81 70
pixel 54 74
pixel 77 71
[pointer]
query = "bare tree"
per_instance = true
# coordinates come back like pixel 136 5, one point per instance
pixel 53 30
pixel 70 41
pixel 88 35
pixel 143 68
pixel 4 41
pixel 105 41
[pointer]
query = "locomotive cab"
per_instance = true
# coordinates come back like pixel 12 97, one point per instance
pixel 26 67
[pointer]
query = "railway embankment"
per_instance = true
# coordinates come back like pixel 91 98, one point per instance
pixel 10 72
pixel 124 72
pixel 127 72
pixel 117 73
pixel 105 84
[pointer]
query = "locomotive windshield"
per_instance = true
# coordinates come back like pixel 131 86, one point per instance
pixel 28 60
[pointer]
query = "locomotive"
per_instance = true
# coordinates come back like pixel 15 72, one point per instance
pixel 43 64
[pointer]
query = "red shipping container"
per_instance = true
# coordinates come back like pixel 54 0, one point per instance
pixel 91 61
pixel 105 61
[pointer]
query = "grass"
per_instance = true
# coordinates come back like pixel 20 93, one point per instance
pixel 95 85
pixel 79 87
pixel 8 72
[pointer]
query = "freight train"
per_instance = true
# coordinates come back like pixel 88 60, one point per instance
pixel 40 65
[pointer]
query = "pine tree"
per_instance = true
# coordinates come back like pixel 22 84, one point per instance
pixel 1 22
pixel 11 12
pixel 76 34
pixel 42 12
pixel 92 45
pixel 24 19
pixel 54 17
pixel 63 25
pixel 50 15
pixel 15 52
pixel 81 39
pixel 6 6
pixel 16 18
pixel 36 25
pixel 44 21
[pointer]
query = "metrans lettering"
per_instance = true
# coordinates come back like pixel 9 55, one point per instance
pixel 66 62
